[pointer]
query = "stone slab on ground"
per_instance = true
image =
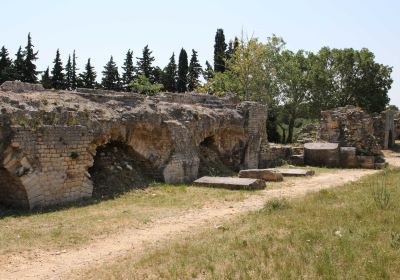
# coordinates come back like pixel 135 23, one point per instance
pixel 263 174
pixel 321 154
pixel 293 172
pixel 231 183
pixel 348 157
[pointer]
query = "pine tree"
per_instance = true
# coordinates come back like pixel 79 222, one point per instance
pixel 57 75
pixel 88 77
pixel 232 47
pixel 111 79
pixel 68 74
pixel 19 65
pixel 5 65
pixel 46 80
pixel 219 51
pixel 29 66
pixel 194 72
pixel 182 71
pixel 129 69
pixel 170 75
pixel 208 74
pixel 144 64
pixel 74 70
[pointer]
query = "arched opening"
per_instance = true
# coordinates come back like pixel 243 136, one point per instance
pixel 210 160
pixel 12 193
pixel 116 169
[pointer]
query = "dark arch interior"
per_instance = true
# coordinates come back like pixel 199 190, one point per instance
pixel 116 169
pixel 12 194
pixel 210 160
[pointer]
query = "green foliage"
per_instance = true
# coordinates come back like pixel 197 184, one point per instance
pixel 145 64
pixel 143 85
pixel 183 68
pixel 46 79
pixel 57 75
pixel 219 51
pixel 129 69
pixel 111 79
pixel 170 74
pixel 194 72
pixel 18 65
pixel 381 192
pixel 208 73
pixel 74 75
pixel 276 204
pixel 68 73
pixel 5 65
pixel 29 70
pixel 87 79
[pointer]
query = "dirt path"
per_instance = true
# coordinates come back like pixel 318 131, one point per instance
pixel 63 265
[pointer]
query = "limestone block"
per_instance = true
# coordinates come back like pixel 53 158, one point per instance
pixel 348 157
pixel 367 162
pixel 264 174
pixel 321 154
pixel 231 183
pixel 288 172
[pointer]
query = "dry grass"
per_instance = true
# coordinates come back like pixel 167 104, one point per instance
pixel 334 234
pixel 80 223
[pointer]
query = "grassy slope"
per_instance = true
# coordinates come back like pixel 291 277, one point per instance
pixel 334 234
pixel 79 224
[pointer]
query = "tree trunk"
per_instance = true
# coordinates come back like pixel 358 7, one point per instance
pixel 290 129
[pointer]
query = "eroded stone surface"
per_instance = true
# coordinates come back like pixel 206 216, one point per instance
pixel 293 172
pixel 263 174
pixel 49 138
pixel 321 154
pixel 231 183
pixel 352 127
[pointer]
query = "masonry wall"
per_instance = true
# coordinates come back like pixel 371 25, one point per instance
pixel 49 139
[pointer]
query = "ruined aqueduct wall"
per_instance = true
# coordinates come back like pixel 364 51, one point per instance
pixel 48 139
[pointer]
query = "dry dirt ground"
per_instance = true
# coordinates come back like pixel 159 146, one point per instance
pixel 68 264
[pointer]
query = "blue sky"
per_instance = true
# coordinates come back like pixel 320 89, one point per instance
pixel 98 29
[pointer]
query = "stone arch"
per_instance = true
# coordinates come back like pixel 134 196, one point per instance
pixel 118 168
pixel 12 192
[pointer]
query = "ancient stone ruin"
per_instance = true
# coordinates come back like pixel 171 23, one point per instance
pixel 352 127
pixel 52 142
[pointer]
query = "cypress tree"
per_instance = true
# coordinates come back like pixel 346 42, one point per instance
pixel 74 75
pixel 19 65
pixel 209 72
pixel 68 74
pixel 232 47
pixel 182 71
pixel 110 79
pixel 194 72
pixel 170 75
pixel 144 64
pixel 88 77
pixel 129 69
pixel 219 51
pixel 57 74
pixel 29 65
pixel 5 65
pixel 46 80
pixel 157 75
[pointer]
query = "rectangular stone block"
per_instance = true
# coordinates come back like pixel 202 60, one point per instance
pixel 293 172
pixel 263 174
pixel 230 183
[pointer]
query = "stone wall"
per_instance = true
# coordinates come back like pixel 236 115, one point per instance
pixel 48 139
pixel 397 124
pixel 352 127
